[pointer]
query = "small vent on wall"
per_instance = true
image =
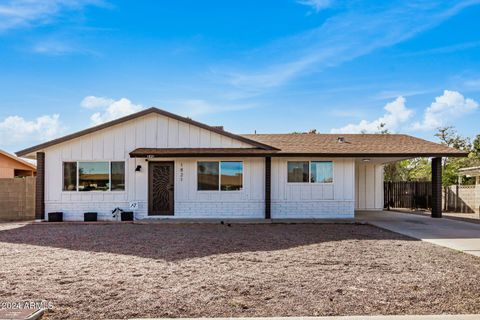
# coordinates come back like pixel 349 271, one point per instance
pixel 218 128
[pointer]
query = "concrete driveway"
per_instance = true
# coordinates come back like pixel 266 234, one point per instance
pixel 458 235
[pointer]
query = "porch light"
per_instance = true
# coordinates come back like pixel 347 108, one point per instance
pixel 138 168
pixel 366 160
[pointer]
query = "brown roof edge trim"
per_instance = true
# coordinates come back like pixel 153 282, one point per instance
pixel 373 155
pixel 139 114
pixel 298 155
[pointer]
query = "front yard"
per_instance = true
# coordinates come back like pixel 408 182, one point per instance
pixel 138 270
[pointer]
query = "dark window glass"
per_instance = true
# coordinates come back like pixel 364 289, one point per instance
pixel 69 176
pixel 321 172
pixel 232 175
pixel 297 171
pixel 118 176
pixel 93 176
pixel 207 175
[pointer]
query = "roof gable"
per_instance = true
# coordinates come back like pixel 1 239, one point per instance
pixel 23 163
pixel 133 116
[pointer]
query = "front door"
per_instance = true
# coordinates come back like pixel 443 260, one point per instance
pixel 160 188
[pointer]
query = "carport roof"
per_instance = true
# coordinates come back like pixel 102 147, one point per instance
pixel 363 145
pixel 321 145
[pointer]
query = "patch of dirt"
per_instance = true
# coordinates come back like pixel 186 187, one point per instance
pixel 192 270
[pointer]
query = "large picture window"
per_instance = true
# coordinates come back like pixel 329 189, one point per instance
pixel 94 176
pixel 219 175
pixel 310 171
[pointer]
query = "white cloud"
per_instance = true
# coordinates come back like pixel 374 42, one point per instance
pixel 17 130
pixel 396 114
pixel 91 102
pixel 21 13
pixel 113 109
pixel 317 5
pixel 448 106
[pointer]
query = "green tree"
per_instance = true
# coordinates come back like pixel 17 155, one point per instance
pixel 476 146
pixel 449 137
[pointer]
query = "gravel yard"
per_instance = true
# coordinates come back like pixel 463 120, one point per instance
pixel 188 270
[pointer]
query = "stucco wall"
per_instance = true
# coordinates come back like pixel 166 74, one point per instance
pixel 17 199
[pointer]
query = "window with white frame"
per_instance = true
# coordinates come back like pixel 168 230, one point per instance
pixel 219 175
pixel 94 176
pixel 310 171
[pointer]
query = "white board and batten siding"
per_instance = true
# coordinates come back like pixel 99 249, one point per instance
pixel 115 144
pixel 369 183
pixel 313 200
pixel 332 200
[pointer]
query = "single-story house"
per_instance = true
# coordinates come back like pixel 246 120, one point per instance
pixel 164 165
pixel 12 166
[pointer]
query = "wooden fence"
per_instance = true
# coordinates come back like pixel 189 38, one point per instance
pixel 408 194
pixel 17 199
pixel 418 195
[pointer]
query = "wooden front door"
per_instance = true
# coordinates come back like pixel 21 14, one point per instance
pixel 160 188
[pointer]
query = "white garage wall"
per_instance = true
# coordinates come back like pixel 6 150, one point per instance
pixel 312 200
pixel 369 186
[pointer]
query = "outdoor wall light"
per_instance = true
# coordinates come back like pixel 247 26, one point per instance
pixel 138 168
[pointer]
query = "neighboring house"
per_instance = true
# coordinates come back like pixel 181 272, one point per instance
pixel 165 165
pixel 12 166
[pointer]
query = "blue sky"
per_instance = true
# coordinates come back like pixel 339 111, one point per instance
pixel 271 66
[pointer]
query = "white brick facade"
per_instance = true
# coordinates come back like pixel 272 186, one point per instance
pixel 313 209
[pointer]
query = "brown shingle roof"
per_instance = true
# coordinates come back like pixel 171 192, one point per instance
pixel 377 145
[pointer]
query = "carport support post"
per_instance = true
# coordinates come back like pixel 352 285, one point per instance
pixel 436 187
pixel 40 187
pixel 268 187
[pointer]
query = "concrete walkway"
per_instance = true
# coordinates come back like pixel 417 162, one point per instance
pixel 424 317
pixel 458 235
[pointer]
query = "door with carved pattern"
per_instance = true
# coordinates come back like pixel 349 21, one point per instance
pixel 160 188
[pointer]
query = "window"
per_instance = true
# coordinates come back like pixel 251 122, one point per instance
pixel 118 175
pixel 297 171
pixel 220 175
pixel 69 176
pixel 207 173
pixel 310 171
pixel 232 175
pixel 94 176
pixel 321 172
